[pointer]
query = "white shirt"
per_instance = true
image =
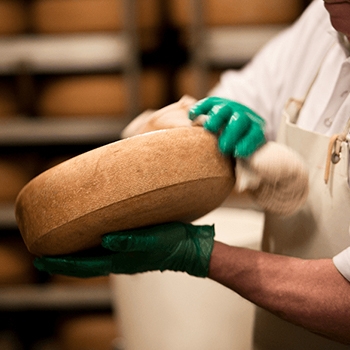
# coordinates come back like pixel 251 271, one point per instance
pixel 287 67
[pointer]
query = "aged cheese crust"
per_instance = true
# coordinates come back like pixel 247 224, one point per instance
pixel 161 176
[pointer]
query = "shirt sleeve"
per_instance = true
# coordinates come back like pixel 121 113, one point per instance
pixel 283 68
pixel 342 263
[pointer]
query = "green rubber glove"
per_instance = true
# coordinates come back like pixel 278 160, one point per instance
pixel 241 130
pixel 172 246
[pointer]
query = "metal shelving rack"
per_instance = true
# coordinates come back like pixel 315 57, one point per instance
pixel 62 54
pixel 72 53
pixel 54 297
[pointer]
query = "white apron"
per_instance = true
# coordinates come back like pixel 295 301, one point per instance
pixel 319 230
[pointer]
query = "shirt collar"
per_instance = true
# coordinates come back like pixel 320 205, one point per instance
pixel 344 42
pixel 342 39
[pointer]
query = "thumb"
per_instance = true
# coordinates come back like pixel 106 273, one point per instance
pixel 201 107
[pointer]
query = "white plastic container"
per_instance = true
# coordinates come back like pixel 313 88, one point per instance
pixel 174 311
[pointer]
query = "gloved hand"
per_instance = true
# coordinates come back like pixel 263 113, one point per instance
pixel 241 130
pixel 172 246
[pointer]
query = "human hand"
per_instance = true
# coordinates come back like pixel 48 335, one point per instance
pixel 172 246
pixel 241 130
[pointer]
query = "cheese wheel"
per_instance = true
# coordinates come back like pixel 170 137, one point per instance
pixel 237 12
pixel 62 16
pixel 67 16
pixel 13 17
pixel 69 280
pixel 16 264
pixel 153 89
pixel 186 82
pixel 97 95
pixel 83 96
pixel 94 331
pixel 13 176
pixel 8 104
pixel 161 176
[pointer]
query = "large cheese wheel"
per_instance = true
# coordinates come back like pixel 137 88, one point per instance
pixel 167 175
pixel 237 12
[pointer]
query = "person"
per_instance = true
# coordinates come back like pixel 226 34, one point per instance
pixel 298 86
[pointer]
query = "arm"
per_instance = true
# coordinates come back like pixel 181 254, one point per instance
pixel 308 293
pixel 283 68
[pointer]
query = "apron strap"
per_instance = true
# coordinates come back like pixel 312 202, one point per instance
pixel 292 110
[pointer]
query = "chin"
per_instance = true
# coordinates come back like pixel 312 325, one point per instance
pixel 342 29
pixel 340 16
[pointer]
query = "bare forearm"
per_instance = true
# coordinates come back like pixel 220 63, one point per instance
pixel 310 293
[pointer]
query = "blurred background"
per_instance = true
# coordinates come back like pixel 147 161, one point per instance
pixel 73 73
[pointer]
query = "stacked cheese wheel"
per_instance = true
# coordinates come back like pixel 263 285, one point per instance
pixel 97 94
pixel 186 81
pixel 66 16
pixel 13 17
pixel 15 172
pixel 8 101
pixel 237 12
pixel 16 265
pixel 91 331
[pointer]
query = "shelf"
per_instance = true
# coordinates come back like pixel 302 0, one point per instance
pixel 63 53
pixel 21 131
pixel 7 216
pixel 236 45
pixel 54 297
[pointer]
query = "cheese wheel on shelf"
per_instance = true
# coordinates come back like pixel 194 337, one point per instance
pixel 153 87
pixel 91 331
pixel 8 104
pixel 16 264
pixel 14 175
pixel 68 280
pixel 95 95
pixel 67 16
pixel 13 17
pixel 237 12
pixel 79 16
pixel 98 95
pixel 186 82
